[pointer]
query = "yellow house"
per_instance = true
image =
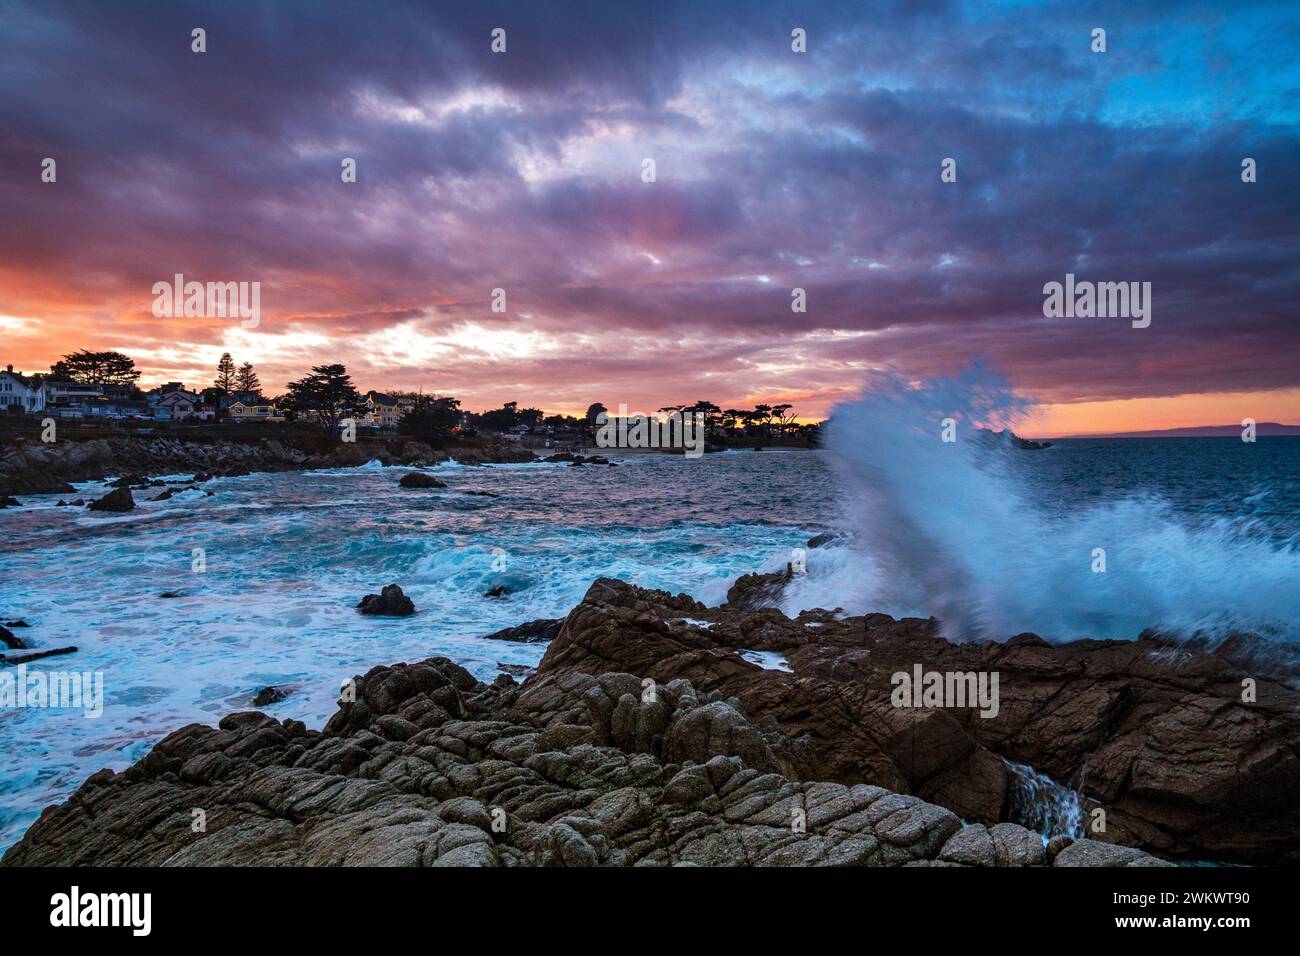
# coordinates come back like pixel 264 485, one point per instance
pixel 384 410
pixel 254 411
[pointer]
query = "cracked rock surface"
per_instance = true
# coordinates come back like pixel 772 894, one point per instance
pixel 429 767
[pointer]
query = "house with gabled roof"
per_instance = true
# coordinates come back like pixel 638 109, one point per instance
pixel 21 394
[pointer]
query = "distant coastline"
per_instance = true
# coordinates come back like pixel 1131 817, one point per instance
pixel 1262 430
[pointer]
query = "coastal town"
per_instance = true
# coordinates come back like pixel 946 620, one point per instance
pixel 102 388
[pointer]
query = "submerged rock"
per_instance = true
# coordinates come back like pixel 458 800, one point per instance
pixel 10 640
pixel 118 500
pixel 174 491
pixel 418 479
pixel 390 602
pixel 269 695
pixel 15 659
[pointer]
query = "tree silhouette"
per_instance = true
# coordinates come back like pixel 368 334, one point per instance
pixel 95 368
pixel 327 394
pixel 246 380
pixel 225 380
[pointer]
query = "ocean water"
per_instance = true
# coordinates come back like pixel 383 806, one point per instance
pixel 1187 524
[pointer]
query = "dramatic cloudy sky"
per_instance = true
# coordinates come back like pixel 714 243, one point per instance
pixel 775 170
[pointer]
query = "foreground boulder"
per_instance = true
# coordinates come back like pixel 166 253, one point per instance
pixel 429 767
pixel 390 602
pixel 117 500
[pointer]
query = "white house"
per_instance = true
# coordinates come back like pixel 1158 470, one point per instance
pixel 21 394
pixel 178 405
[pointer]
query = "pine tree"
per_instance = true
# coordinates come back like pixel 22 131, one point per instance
pixel 225 379
pixel 246 380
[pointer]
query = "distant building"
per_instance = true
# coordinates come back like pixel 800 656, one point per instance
pixel 248 398
pixel 382 410
pixel 253 410
pixel 177 405
pixel 105 406
pixel 65 399
pixel 21 394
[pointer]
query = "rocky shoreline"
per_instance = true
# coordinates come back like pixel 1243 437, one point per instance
pixel 32 468
pixel 648 736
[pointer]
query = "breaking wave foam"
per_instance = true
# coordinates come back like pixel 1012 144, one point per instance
pixel 955 529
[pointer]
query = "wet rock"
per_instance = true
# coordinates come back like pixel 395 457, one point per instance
pixel 504 453
pixel 391 602
pixel 9 640
pixel 970 846
pixel 119 500
pixel 1013 845
pixel 418 479
pixel 534 632
pixel 499 591
pixel 13 659
pixel 570 458
pixel 7 502
pixel 753 591
pixel 174 491
pixel 1056 844
pixel 269 695
pixel 47 468
pixel 1095 853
